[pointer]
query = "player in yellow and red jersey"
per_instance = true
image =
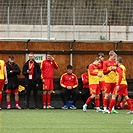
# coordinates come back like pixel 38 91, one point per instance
pixel 94 84
pixel 47 75
pixel 109 70
pixel 101 80
pixel 121 86
pixel 3 78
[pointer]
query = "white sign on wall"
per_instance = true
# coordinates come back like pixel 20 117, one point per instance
pixel 37 57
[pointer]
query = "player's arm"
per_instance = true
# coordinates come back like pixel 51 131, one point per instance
pixel 62 81
pixel 105 70
pixel 84 79
pixel 91 71
pixel 119 71
pixel 5 74
pixel 76 82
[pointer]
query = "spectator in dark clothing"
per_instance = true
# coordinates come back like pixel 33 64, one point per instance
pixel 12 87
pixel 31 71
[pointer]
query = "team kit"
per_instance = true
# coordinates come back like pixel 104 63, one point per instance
pixel 106 78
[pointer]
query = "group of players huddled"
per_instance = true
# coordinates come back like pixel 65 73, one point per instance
pixel 108 77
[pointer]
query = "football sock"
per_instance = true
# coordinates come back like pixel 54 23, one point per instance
pixel 89 100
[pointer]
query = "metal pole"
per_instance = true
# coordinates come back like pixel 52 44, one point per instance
pixel 73 23
pixel 106 23
pixel 8 17
pixel 71 55
pixel 41 21
pixel 48 20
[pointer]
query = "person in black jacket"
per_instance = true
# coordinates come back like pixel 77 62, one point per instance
pixel 31 71
pixel 12 87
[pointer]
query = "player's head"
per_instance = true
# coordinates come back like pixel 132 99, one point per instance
pixel 11 58
pixel 119 60
pixel 69 69
pixel 31 56
pixel 97 61
pixel 112 55
pixel 101 56
pixel 49 56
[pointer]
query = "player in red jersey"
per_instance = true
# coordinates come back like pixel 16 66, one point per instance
pixel 69 83
pixel 3 78
pixel 121 86
pixel 85 81
pixel 109 70
pixel 94 85
pixel 101 80
pixel 47 75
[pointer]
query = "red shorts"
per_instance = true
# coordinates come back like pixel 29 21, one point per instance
pixel 122 91
pixel 101 85
pixel 109 87
pixel 48 85
pixel 1 84
pixel 94 89
pixel 8 91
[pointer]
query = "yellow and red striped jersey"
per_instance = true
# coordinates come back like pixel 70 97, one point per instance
pixel 93 72
pixel 109 76
pixel 121 75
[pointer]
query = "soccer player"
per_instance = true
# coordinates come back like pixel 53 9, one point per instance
pixel 69 83
pixel 47 75
pixel 31 71
pixel 3 78
pixel 94 85
pixel 121 86
pixel 12 87
pixel 109 70
pixel 85 81
pixel 101 80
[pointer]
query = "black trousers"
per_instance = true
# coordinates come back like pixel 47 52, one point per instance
pixel 31 87
pixel 65 94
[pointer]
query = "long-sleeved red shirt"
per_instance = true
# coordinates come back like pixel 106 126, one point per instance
pixel 47 68
pixel 85 80
pixel 69 80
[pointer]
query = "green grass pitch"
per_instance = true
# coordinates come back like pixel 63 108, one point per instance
pixel 64 121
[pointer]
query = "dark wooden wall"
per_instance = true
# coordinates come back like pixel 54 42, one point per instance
pixel 83 53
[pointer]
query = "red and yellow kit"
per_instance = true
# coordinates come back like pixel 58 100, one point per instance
pixel 121 81
pixel 69 80
pixel 93 79
pixel 101 80
pixel 2 65
pixel 47 73
pixel 47 68
pixel 85 80
pixel 109 76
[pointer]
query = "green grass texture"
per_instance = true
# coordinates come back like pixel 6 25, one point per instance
pixel 64 121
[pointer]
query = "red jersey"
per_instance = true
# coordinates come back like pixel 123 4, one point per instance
pixel 69 80
pixel 121 75
pixel 47 68
pixel 85 80
pixel 109 76
pixel 93 72
pixel 100 69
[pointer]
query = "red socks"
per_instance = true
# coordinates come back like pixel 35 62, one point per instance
pixel 97 102
pixel 46 99
pixel 112 103
pixel 89 100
